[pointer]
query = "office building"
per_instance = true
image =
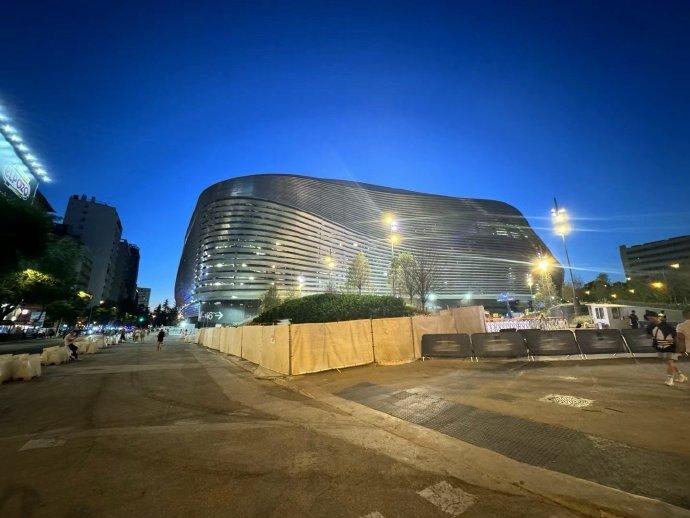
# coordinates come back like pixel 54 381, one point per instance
pixel 143 297
pixel 300 233
pixel 98 226
pixel 656 258
pixel 124 285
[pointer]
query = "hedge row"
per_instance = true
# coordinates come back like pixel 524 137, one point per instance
pixel 333 307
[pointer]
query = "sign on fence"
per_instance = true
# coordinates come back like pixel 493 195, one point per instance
pixel 507 344
pixel 600 341
pixel 638 340
pixel 447 346
pixel 550 343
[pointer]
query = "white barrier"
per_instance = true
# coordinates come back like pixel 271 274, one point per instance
pixel 21 367
pixel 5 367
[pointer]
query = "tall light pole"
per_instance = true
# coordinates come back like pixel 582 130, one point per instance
pixel 561 226
pixel 390 221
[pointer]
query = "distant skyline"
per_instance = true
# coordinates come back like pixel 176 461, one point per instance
pixel 145 105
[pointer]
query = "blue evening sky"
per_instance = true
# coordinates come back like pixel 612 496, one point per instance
pixel 144 104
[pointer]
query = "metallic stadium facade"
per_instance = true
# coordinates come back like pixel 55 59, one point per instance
pixel 300 234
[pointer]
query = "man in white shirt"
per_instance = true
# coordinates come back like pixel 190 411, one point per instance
pixel 683 334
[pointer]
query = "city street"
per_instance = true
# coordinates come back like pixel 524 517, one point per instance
pixel 30 346
pixel 191 432
pixel 187 432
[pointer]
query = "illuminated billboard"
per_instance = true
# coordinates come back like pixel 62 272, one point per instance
pixel 15 177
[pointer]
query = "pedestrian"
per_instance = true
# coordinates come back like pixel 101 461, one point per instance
pixel 664 341
pixel 634 320
pixel 123 338
pixel 161 335
pixel 683 333
pixel 70 338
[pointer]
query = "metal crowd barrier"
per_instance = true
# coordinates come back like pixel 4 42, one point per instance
pixel 532 343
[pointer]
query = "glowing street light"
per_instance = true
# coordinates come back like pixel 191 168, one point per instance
pixel 561 227
pixel 543 264
pixel 392 224
pixel 675 266
pixel 657 285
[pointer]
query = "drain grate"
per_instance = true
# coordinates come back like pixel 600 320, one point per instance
pixel 573 401
pixel 654 474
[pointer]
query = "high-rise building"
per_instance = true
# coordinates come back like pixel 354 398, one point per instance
pixel 124 285
pixel 300 234
pixel 143 297
pixel 98 226
pixel 656 258
pixel 84 262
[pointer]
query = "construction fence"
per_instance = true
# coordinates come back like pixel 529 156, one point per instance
pixel 303 348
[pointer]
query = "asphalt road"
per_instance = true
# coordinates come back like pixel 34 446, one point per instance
pixel 31 346
pixel 185 432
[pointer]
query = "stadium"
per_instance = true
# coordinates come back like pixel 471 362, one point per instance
pixel 300 233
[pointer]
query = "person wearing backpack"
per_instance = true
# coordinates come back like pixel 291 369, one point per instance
pixel 664 340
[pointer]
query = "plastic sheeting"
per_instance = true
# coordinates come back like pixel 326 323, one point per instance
pixel 251 343
pixel 334 345
pixel 275 348
pixel 443 324
pixel 393 340
pixel 215 338
pixel 469 319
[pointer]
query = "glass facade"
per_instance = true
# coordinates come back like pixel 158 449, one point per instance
pixel 300 234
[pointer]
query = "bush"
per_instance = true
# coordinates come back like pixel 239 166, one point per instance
pixel 333 307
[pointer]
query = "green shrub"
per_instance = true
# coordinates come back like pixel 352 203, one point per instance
pixel 333 307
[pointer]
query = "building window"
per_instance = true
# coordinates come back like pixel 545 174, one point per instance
pixel 599 313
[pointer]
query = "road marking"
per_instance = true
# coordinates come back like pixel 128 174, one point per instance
pixel 449 499
pixel 373 514
pixel 42 443
pixel 565 400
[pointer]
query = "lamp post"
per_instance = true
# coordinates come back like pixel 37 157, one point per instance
pixel 390 221
pixel 561 226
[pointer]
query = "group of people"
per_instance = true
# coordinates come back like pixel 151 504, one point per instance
pixel 670 342
pixel 138 335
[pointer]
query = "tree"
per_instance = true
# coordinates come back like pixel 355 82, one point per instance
pixel 395 276
pixel 270 299
pixel 545 294
pixel 358 272
pixel 49 277
pixel 23 233
pixel 425 278
pixel 408 266
pixel 165 315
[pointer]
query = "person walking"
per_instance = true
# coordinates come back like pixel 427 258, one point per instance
pixel 634 320
pixel 70 338
pixel 161 336
pixel 664 341
pixel 683 333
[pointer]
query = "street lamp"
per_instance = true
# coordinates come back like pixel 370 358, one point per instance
pixel 561 226
pixel 392 224
pixel 675 266
pixel 657 285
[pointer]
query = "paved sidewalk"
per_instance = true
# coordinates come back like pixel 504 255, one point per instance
pixel 185 432
pixel 632 436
